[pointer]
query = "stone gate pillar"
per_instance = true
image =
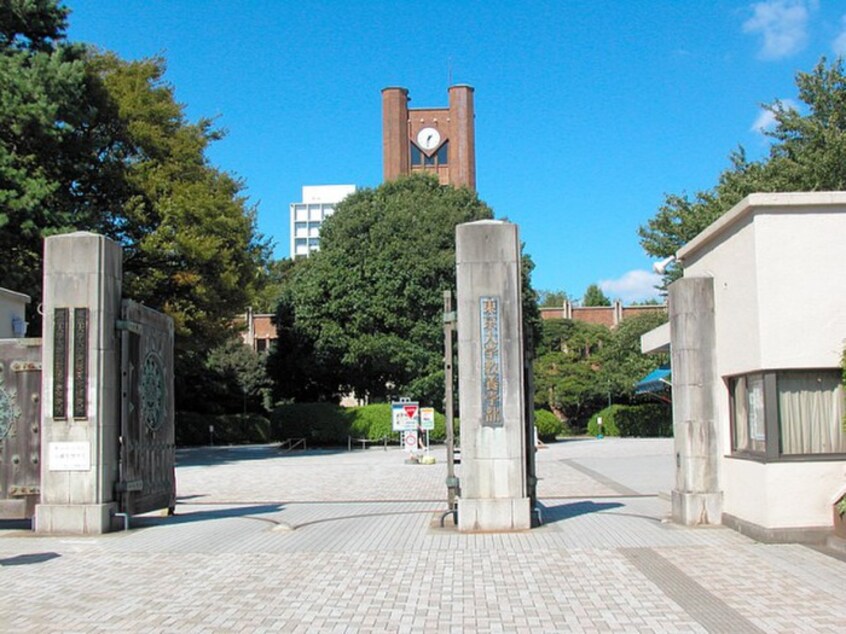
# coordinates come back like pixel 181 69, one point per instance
pixel 494 492
pixel 696 498
pixel 81 383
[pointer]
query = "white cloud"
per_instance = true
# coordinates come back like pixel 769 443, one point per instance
pixel 839 44
pixel 634 286
pixel 766 120
pixel 782 24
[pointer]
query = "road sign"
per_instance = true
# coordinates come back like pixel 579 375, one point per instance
pixel 427 418
pixel 410 441
pixel 404 416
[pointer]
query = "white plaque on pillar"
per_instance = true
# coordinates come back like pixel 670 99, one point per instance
pixel 70 456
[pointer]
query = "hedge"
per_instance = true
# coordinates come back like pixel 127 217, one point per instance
pixel 647 420
pixel 318 423
pixel 321 424
pixel 192 429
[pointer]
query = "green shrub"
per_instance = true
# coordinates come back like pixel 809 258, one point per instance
pixel 319 423
pixel 609 424
pixel 371 421
pixel 192 429
pixel 548 425
pixel 646 420
pixel 375 422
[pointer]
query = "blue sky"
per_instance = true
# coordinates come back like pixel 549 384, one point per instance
pixel 587 111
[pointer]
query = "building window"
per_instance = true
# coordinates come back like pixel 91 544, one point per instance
pixel 416 155
pixel 788 413
pixel 810 413
pixel 439 158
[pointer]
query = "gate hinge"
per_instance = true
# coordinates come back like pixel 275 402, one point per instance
pixel 26 366
pixel 131 326
pixel 17 490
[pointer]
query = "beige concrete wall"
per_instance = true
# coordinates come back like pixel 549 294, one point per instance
pixel 802 287
pixel 783 494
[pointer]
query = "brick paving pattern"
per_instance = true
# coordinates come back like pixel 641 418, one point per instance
pixel 350 542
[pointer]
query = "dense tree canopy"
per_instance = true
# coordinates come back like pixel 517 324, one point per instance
pixel 91 142
pixel 190 243
pixel 580 367
pixel 365 312
pixel 52 153
pixel 808 153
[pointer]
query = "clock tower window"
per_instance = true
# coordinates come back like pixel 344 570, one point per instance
pixel 439 158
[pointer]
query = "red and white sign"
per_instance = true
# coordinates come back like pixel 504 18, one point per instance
pixel 410 441
pixel 404 415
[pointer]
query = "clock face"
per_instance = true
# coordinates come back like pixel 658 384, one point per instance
pixel 428 139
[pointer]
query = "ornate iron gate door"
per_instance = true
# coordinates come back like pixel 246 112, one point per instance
pixel 20 427
pixel 147 452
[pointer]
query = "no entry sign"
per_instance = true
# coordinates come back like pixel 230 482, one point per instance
pixel 404 416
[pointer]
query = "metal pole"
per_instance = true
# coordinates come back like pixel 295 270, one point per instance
pixel 449 326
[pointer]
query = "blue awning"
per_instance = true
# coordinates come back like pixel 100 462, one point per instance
pixel 656 381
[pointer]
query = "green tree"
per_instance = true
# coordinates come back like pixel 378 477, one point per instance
pixel 622 362
pixel 565 370
pixel 808 153
pixel 190 243
pixel 551 299
pixel 58 141
pixel 595 297
pixel 365 312
pixel 91 142
pixel 239 377
pixel 275 277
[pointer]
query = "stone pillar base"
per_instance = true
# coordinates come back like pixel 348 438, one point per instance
pixel 77 519
pixel 694 509
pixel 497 514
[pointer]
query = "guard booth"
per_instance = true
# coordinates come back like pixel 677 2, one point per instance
pixel 87 412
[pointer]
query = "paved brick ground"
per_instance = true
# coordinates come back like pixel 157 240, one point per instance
pixel 350 542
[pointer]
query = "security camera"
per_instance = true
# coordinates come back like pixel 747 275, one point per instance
pixel 661 267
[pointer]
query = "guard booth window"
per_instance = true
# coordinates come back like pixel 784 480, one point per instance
pixel 788 413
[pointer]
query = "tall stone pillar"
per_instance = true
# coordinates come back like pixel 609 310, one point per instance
pixel 697 498
pixel 494 491
pixel 81 384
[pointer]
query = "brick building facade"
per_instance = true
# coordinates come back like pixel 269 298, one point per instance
pixel 437 140
pixel 608 316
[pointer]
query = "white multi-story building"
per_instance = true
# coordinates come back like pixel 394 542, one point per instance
pixel 307 216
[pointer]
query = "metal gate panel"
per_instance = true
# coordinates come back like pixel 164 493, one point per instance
pixel 147 440
pixel 20 427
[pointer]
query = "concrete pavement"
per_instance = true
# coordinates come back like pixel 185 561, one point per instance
pixel 350 542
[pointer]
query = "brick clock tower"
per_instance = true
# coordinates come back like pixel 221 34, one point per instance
pixel 437 140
